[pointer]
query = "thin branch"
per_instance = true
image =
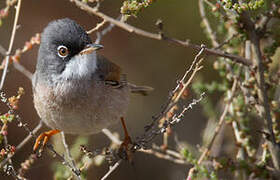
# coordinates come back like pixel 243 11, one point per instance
pixel 111 170
pixel 3 50
pixel 164 156
pixel 62 159
pixel 227 41
pixel 209 4
pixel 23 142
pixel 156 36
pixel 111 136
pixel 154 129
pixel 77 172
pixel 23 70
pixel 196 68
pixel 11 44
pixel 244 149
pixel 239 140
pixel 26 165
pixel 97 27
pixel 27 138
pixel 205 21
pixel 262 91
pixel 217 130
pixel 105 31
pixel 10 163
pixel 221 121
pixel 17 66
pixel 168 154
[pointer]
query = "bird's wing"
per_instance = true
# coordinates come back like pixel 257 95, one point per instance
pixel 108 71
pixel 111 74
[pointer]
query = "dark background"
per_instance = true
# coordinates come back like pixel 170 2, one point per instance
pixel 146 61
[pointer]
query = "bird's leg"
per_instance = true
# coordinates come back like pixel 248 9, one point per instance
pixel 124 148
pixel 45 136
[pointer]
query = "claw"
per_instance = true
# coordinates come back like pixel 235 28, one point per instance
pixel 45 136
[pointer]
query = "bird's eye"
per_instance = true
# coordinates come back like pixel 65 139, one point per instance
pixel 62 51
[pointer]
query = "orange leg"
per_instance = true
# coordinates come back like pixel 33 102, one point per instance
pixel 127 139
pixel 126 142
pixel 45 136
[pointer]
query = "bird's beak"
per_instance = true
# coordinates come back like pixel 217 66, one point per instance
pixel 90 48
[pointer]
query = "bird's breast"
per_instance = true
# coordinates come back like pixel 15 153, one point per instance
pixel 80 108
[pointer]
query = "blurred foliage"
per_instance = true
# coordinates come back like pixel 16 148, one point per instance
pixel 228 16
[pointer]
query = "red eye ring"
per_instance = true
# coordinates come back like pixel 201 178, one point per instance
pixel 62 51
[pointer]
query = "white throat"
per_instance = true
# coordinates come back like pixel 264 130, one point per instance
pixel 80 67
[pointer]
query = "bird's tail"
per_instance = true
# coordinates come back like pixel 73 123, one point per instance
pixel 143 90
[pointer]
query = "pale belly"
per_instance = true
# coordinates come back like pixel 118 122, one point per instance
pixel 84 112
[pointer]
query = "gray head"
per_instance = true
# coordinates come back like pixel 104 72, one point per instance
pixel 66 52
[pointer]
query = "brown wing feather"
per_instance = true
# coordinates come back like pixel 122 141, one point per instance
pixel 109 70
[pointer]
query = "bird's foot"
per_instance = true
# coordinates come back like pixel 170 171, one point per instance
pixel 45 136
pixel 125 148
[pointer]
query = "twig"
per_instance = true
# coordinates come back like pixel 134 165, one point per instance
pixel 217 130
pixel 244 145
pixel 196 68
pixel 239 140
pixel 5 11
pixel 62 159
pixel 174 96
pixel 23 70
pixel 209 4
pixel 111 136
pixel 155 128
pixel 10 163
pixel 23 142
pixel 262 92
pixel 77 172
pixel 48 146
pixel 111 169
pixel 167 154
pixel 5 72
pixel 15 58
pixel 105 31
pixel 27 138
pixel 97 27
pixel 3 50
pixel 11 44
pixel 209 30
pixel 164 156
pixel 132 29
pixel 26 165
pixel 227 41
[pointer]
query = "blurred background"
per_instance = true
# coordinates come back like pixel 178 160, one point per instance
pixel 145 61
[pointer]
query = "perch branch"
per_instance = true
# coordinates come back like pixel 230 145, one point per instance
pixel 69 156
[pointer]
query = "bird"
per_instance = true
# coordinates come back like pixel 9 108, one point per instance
pixel 76 90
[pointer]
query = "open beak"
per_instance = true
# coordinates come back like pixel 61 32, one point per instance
pixel 90 48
